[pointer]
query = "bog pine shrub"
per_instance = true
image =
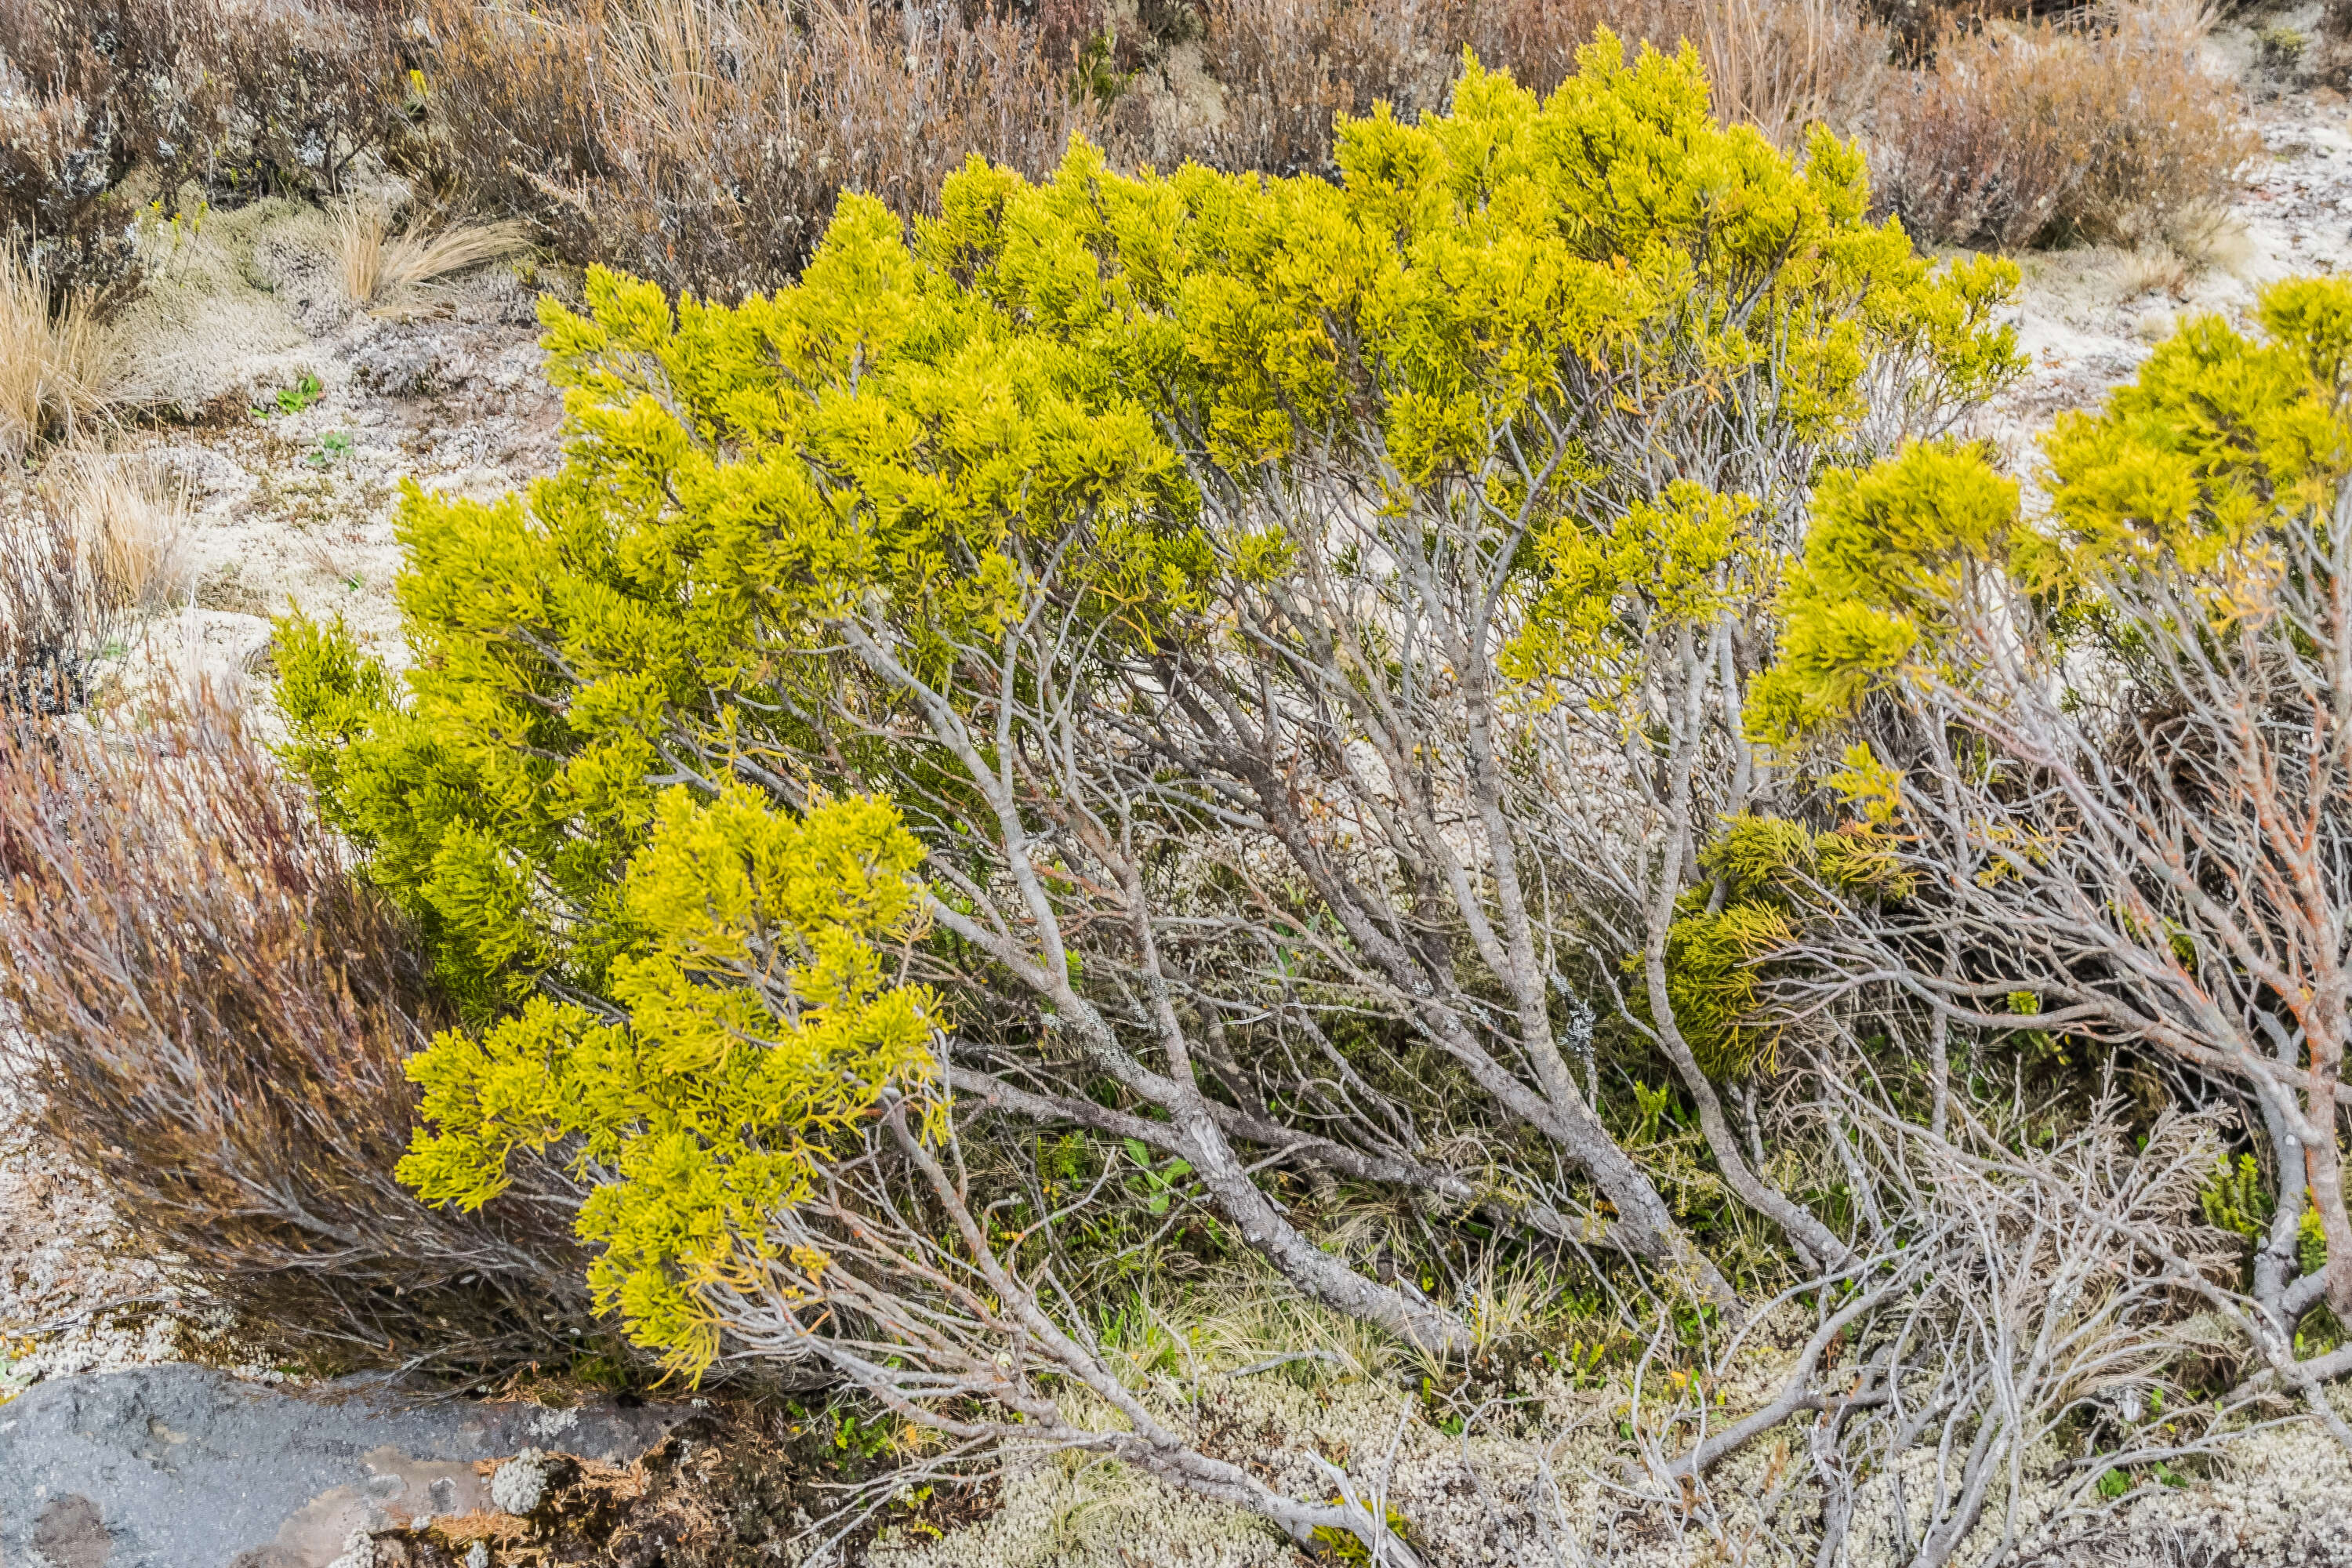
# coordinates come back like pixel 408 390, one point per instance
pixel 2125 734
pixel 693 929
pixel 2211 477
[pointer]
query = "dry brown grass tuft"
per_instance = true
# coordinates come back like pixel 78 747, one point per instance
pixel 1784 65
pixel 2154 270
pixel 2105 129
pixel 2211 237
pixel 389 271
pixel 58 361
pixel 128 516
pixel 214 1016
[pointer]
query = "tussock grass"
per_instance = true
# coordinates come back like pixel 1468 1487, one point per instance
pixel 702 143
pixel 2210 236
pixel 58 364
pixel 128 516
pixel 2155 270
pixel 387 270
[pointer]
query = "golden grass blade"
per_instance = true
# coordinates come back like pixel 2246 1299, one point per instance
pixel 382 270
pixel 129 517
pixel 58 364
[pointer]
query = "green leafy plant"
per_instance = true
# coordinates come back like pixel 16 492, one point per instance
pixel 1155 1182
pixel 1653 1108
pixel 1096 77
pixel 291 399
pixel 2235 1199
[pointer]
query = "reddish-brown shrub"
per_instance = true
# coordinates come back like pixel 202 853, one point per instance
pixel 213 1017
pixel 51 625
pixel 56 188
pixel 1287 67
pixel 701 143
pixel 2106 129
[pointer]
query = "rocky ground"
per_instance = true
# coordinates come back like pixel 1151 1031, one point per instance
pixel 172 1467
pixel 294 419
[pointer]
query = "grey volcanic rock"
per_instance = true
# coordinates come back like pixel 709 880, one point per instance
pixel 182 1466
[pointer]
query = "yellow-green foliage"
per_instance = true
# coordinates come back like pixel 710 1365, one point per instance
pixel 2217 446
pixel 1464 260
pixel 1335 1545
pixel 1775 859
pixel 579 787
pixel 2195 470
pixel 758 1029
pixel 1775 873
pixel 1887 553
pixel 2234 1199
pixel 909 420
pixel 1711 982
pixel 735 479
pixel 1686 561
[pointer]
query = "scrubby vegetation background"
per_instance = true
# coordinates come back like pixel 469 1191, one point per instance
pixel 1292 751
pixel 702 143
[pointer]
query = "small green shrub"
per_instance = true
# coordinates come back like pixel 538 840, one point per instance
pixel 2280 50
pixel 291 399
pixel 2236 1200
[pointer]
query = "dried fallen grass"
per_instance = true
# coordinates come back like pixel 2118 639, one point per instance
pixel 58 364
pixel 387 270
pixel 2100 129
